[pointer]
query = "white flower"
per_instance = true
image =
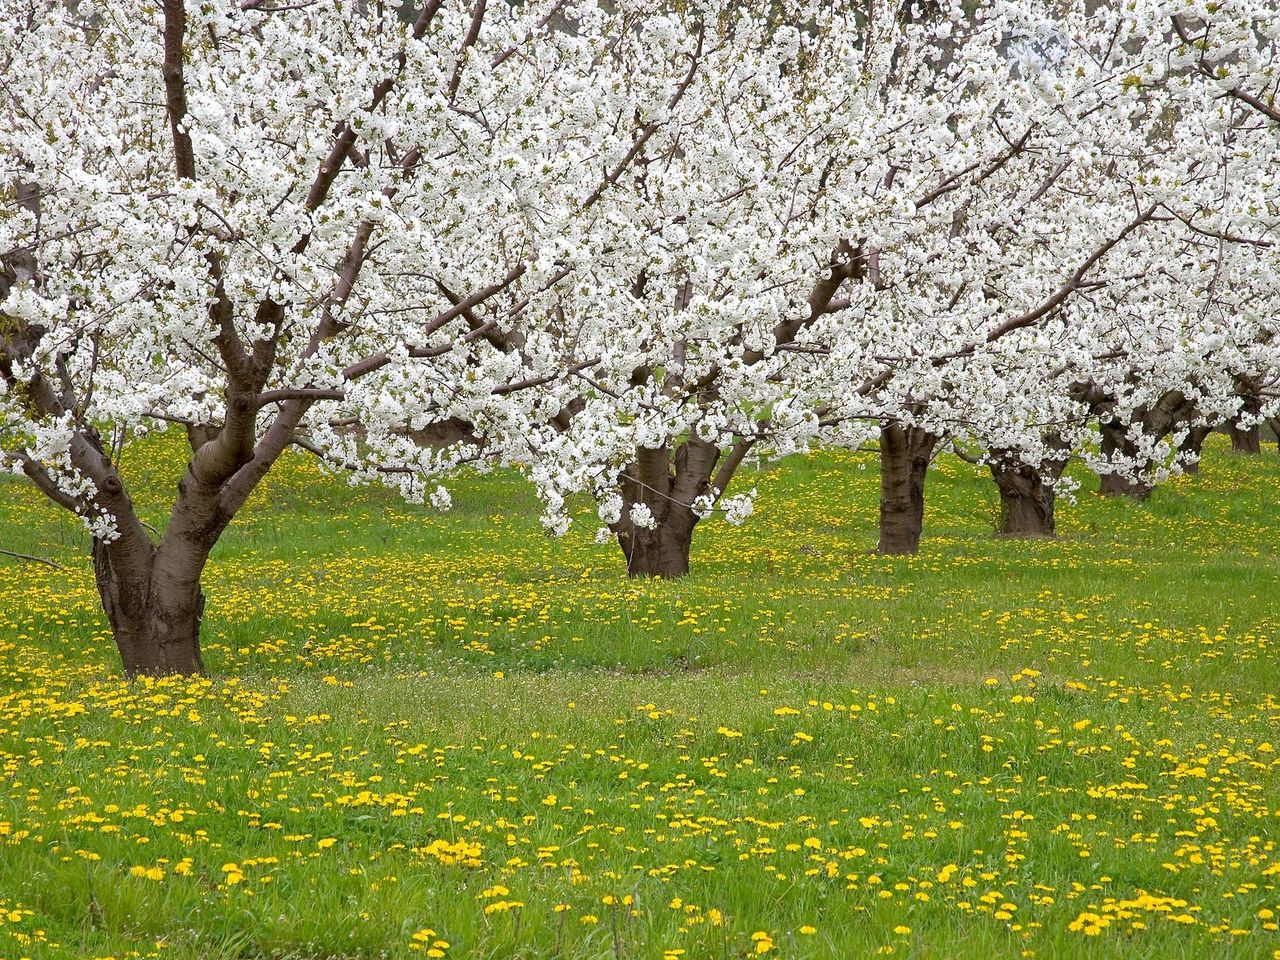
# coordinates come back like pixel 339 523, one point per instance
pixel 611 508
pixel 440 499
pixel 642 516
pixel 737 509
pixel 556 524
pixel 704 505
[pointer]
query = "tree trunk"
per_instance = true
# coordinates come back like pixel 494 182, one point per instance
pixel 1246 440
pixel 904 461
pixel 1026 496
pixel 660 552
pixel 1115 485
pixel 1157 421
pixel 1115 440
pixel 1189 449
pixel 154 618
pixel 151 592
pixel 668 484
pixel 1274 424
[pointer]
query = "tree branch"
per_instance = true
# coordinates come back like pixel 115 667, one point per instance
pixel 473 34
pixel 1244 96
pixel 31 559
pixel 1073 283
pixel 175 89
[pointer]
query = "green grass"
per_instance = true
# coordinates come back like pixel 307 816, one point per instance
pixel 792 744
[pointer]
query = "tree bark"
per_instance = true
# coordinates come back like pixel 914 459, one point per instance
pixel 1274 424
pixel 1156 421
pixel 904 461
pixel 151 592
pixel 1115 439
pixel 155 620
pixel 1189 449
pixel 1026 496
pixel 1118 485
pixel 660 552
pixel 668 482
pixel 1245 440
pixel 1115 485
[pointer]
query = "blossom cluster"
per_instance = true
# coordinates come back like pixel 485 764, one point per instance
pixel 625 247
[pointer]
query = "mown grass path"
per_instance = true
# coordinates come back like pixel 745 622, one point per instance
pixel 449 736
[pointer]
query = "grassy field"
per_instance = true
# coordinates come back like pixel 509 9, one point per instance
pixel 448 736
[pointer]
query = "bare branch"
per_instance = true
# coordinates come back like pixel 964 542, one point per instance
pixel 298 393
pixel 31 559
pixel 952 182
pixel 648 129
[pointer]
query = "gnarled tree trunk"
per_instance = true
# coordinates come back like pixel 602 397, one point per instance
pixel 1026 495
pixel 904 460
pixel 1116 440
pixel 668 482
pixel 1189 449
pixel 1116 485
pixel 1156 421
pixel 662 551
pixel 151 592
pixel 1246 440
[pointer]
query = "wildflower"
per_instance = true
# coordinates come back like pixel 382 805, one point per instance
pixel 763 943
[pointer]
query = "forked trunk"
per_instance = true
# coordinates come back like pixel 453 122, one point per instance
pixel 1190 448
pixel 151 592
pixel 154 617
pixel 667 484
pixel 1156 422
pixel 1026 497
pixel 650 483
pixel 904 462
